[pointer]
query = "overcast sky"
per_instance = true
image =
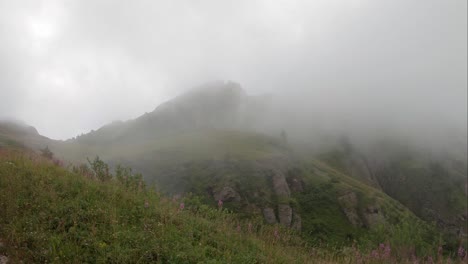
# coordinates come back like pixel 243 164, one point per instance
pixel 67 67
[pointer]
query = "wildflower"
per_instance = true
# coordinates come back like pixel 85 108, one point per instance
pixel 439 251
pixel 387 252
pixel 146 204
pixel 374 254
pixel 430 260
pixel 181 206
pixel 461 252
pixel 220 204
pixel 276 233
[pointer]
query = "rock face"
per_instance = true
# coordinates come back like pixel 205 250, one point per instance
pixel 285 214
pixel 349 204
pixel 296 184
pixel 269 215
pixel 227 194
pixel 280 185
pixel 373 216
pixel 297 222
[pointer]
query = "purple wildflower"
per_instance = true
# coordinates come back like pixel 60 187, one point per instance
pixel 387 251
pixel 461 252
pixel 220 203
pixel 181 206
pixel 382 246
pixel 276 233
pixel 430 260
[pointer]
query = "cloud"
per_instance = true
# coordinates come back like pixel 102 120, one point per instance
pixel 67 67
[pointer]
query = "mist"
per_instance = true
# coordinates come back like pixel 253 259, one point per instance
pixel 359 67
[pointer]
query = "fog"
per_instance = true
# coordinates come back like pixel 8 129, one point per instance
pixel 400 66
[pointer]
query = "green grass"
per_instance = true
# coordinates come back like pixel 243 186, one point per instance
pixel 52 215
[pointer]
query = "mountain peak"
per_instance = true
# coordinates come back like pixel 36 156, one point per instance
pixel 19 127
pixel 209 94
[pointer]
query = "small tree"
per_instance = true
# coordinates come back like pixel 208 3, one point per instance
pixel 126 177
pixel 46 153
pixel 84 170
pixel 100 169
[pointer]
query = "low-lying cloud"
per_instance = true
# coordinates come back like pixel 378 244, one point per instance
pixel 67 67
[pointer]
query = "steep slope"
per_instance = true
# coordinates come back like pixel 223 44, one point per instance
pixel 52 215
pixel 433 186
pixel 14 133
pixel 200 143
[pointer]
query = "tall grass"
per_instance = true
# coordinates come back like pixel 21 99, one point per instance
pixel 51 215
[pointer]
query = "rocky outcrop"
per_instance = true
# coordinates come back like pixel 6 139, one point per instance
pixel 297 222
pixel 280 185
pixel 296 184
pixel 285 214
pixel 368 217
pixel 269 215
pixel 227 194
pixel 349 204
pixel 373 215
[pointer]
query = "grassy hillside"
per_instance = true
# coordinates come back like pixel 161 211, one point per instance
pixel 205 162
pixel 52 215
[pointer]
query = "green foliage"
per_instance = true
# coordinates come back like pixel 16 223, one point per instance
pixel 407 238
pixel 52 215
pixel 322 218
pixel 131 181
pixel 100 169
pixel 46 153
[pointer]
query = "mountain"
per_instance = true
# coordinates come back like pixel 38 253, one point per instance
pixel 17 133
pixel 209 142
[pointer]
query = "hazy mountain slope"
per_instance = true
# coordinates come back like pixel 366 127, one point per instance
pixel 215 105
pixel 430 185
pixel 201 143
pixel 14 133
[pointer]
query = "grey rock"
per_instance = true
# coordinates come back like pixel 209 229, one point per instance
pixel 296 184
pixel 349 204
pixel 227 194
pixel 297 222
pixel 269 215
pixel 373 215
pixel 280 185
pixel 285 214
